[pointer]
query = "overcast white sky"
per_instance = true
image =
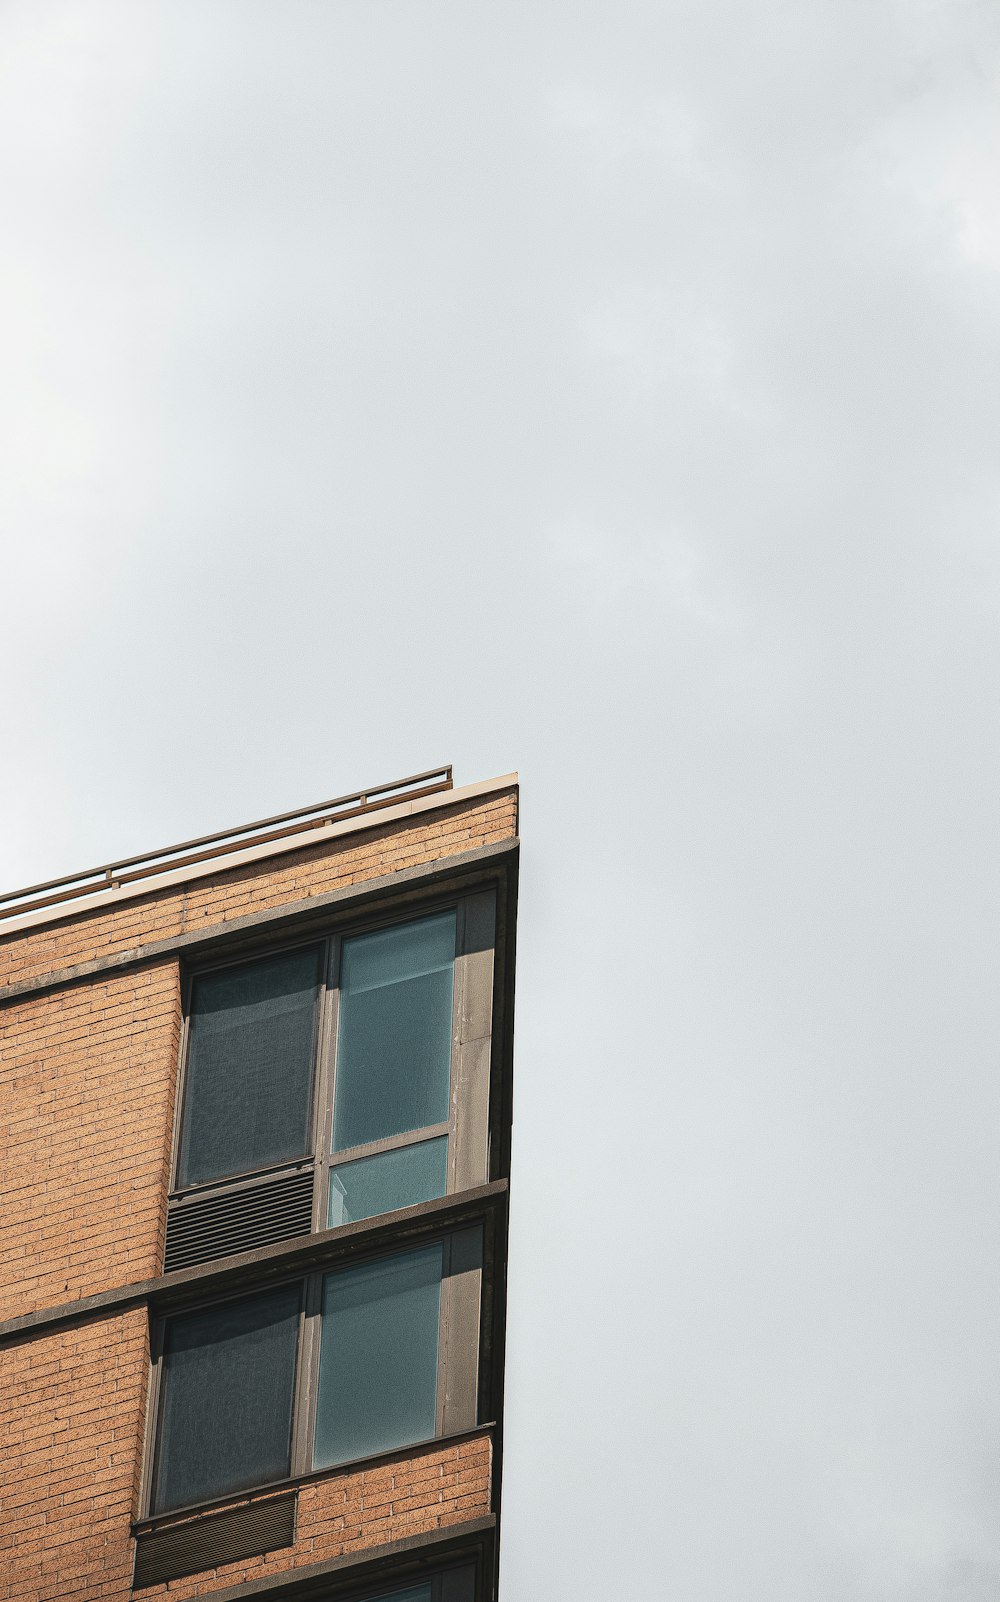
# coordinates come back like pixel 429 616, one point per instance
pixel 607 389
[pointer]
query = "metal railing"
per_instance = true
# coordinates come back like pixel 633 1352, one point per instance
pixel 207 846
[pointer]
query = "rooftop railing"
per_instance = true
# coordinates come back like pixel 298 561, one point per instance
pixel 207 846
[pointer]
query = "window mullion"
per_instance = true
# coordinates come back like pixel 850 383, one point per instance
pixel 444 1326
pixel 325 1072
pixel 473 1044
pixel 458 1006
pixel 376 1148
pixel 152 1415
pixel 305 1393
pixel 180 1085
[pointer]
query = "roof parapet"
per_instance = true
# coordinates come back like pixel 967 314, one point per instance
pixel 208 847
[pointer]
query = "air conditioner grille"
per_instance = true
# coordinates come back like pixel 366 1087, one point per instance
pixel 171 1553
pixel 258 1215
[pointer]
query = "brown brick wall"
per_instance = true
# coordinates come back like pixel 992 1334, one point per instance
pixel 86 1083
pixel 348 859
pixel 73 1405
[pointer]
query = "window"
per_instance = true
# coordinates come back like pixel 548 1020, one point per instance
pixel 451 1585
pixel 251 1044
pixel 334 1081
pixel 393 1068
pixel 341 1365
pixel 378 1365
pixel 228 1384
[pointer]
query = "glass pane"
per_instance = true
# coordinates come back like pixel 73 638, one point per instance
pixel 412 1593
pixel 393 1179
pixel 394 1050
pixel 226 1403
pixel 249 1068
pixel 378 1356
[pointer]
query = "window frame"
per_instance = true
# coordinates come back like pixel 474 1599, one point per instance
pixel 226 1183
pixel 468 1123
pixel 451 1582
pixel 462 1323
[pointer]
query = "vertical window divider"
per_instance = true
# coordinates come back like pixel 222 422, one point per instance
pixel 155 1389
pixel 444 1319
pixel 457 1008
pixel 180 1082
pixel 460 1330
pixel 325 1070
pixel 304 1415
pixel 472 1044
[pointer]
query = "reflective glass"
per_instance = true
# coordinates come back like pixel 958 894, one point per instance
pixel 392 1179
pixel 394 1047
pixel 226 1401
pixel 249 1069
pixel 378 1356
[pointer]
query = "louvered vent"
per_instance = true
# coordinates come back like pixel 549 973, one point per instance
pixel 169 1554
pixel 198 1231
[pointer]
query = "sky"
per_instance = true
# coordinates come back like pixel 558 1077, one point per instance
pixel 606 390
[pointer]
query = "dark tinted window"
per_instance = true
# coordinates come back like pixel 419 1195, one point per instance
pixel 226 1402
pixel 251 1043
pixel 394 1049
pixel 379 1356
pixel 454 1585
pixel 423 1592
pixel 413 1593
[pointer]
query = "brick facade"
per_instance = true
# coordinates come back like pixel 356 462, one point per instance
pixel 87 1080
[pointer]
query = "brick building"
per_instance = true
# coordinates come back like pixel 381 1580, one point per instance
pixel 256 1103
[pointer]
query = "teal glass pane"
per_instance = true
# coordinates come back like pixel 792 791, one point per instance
pixel 392 1179
pixel 378 1356
pixel 394 1043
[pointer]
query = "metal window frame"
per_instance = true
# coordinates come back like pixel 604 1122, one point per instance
pixel 327 1158
pixel 452 1582
pixel 461 1323
pixel 157 1381
pixel 224 1183
pixel 470 1093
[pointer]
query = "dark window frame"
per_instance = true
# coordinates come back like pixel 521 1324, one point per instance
pixel 462 1324
pixel 468 1123
pixel 452 1582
